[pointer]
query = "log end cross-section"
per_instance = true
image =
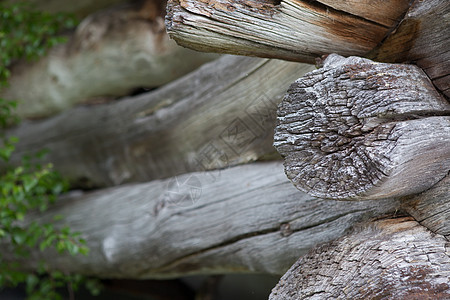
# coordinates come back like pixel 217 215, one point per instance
pixel 388 259
pixel 357 129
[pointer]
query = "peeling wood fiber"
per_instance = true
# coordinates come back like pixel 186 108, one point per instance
pixel 289 29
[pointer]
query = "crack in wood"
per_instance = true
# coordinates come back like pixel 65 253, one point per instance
pixel 345 130
pixel 374 261
pixel 239 27
pixel 253 234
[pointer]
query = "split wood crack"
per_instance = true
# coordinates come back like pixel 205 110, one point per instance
pixel 355 129
pixel 253 234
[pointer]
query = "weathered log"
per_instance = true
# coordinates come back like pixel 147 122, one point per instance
pixel 387 12
pixel 80 8
pixel 222 114
pixel 423 38
pixel 243 219
pixel 356 129
pixel 287 29
pixel 432 208
pixel 111 53
pixel 388 259
pixel 302 30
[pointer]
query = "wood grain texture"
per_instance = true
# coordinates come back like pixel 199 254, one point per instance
pixel 238 220
pixel 302 30
pixel 356 129
pixel 221 115
pixel 424 39
pixel 432 207
pixel 110 53
pixel 388 259
pixel 386 12
pixel 288 29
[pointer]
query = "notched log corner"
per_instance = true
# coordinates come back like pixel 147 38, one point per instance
pixel 388 259
pixel 422 37
pixel 432 207
pixel 356 129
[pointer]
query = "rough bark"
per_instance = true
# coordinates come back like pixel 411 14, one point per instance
pixel 243 219
pixel 388 259
pixel 287 29
pixel 220 115
pixel 111 53
pixel 423 38
pixel 356 129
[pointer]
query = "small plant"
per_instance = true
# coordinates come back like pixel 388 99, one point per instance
pixel 31 187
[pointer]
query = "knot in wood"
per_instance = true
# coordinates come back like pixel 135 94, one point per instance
pixel 347 127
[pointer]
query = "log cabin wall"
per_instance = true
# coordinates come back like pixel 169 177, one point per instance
pixel 335 147
pixel 394 31
pixel 251 218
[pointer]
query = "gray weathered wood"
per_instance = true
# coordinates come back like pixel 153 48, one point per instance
pixel 386 12
pixel 423 38
pixel 302 30
pixel 388 259
pixel 432 208
pixel 111 52
pixel 356 129
pixel 243 219
pixel 223 114
pixel 287 29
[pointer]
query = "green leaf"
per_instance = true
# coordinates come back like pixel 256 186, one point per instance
pixel 93 286
pixel 57 274
pixel 65 230
pixel 28 34
pixel 47 242
pixel 19 236
pixel 31 282
pixel 60 246
pixel 20 216
pixel 57 218
pixel 84 250
pixel 72 248
pixel 29 183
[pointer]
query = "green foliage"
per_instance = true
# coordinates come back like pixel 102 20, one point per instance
pixel 31 187
pixel 26 33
